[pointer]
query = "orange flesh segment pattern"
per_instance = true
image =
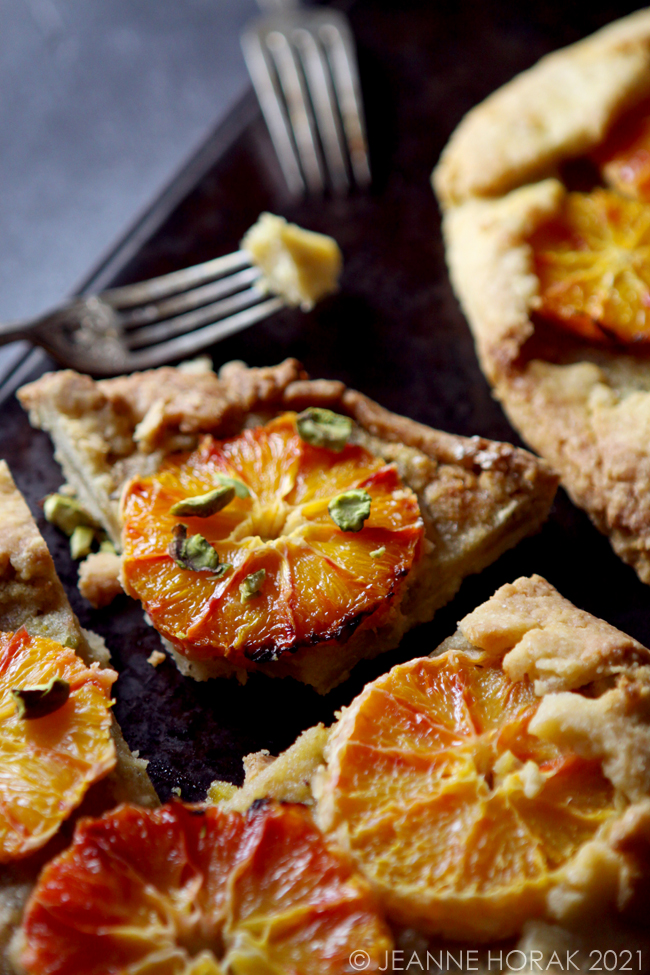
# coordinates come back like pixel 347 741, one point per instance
pixel 47 764
pixel 320 582
pixel 425 785
pixel 593 266
pixel 153 891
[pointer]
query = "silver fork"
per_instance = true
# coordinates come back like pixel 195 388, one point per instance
pixel 304 70
pixel 143 325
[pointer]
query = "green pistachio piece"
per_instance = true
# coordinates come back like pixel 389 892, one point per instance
pixel 378 552
pixel 240 488
pixel 350 509
pixel 196 553
pixel 322 428
pixel 252 585
pixel 36 702
pixel 66 513
pixel 107 546
pixel 81 541
pixel 204 505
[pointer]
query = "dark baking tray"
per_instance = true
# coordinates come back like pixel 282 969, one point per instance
pixel 394 331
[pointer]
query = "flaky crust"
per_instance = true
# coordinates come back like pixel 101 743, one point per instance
pixel 477 497
pixel 560 108
pixel 585 409
pixel 32 596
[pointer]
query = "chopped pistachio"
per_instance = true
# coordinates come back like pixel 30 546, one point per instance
pixel 204 505
pixel 42 699
pixel 66 513
pixel 240 488
pixel 106 545
pixel 81 541
pixel 378 552
pixel 252 585
pixel 219 791
pixel 322 428
pixel 196 553
pixel 350 509
pixel 177 791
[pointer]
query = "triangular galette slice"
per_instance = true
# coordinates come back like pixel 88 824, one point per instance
pixel 77 746
pixel 496 794
pixel 335 527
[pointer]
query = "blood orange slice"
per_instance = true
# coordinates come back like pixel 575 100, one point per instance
pixel 195 890
pixel 47 763
pixel 593 265
pixel 294 578
pixel 459 817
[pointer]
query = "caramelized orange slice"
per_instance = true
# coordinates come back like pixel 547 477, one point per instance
pixel 47 763
pixel 311 582
pixel 624 158
pixel 459 817
pixel 593 265
pixel 185 889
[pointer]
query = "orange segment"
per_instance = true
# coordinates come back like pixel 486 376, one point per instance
pixel 593 265
pixel 431 786
pixel 182 890
pixel 320 583
pixel 624 157
pixel 48 763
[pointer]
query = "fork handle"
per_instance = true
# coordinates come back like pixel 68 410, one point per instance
pixel 10 331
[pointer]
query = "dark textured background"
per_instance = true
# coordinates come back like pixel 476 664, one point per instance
pixel 394 331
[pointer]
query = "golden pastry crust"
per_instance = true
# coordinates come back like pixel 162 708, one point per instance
pixel 595 690
pixel 286 777
pixel 546 638
pixel 585 409
pixel 32 596
pixel 560 108
pixel 477 497
pixel 30 592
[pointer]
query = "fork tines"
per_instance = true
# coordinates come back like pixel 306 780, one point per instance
pixel 303 66
pixel 183 301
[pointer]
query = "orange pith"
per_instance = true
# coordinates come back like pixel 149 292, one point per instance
pixel 48 763
pixel 185 889
pixel 593 265
pixel 624 157
pixel 320 582
pixel 428 785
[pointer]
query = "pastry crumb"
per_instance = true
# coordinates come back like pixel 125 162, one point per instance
pixel 156 658
pixel 99 578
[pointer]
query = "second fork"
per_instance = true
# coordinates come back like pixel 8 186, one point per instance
pixel 303 66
